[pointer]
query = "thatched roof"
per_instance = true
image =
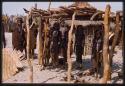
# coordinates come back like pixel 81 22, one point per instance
pixel 82 5
pixel 83 9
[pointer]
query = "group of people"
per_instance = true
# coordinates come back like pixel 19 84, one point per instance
pixel 57 42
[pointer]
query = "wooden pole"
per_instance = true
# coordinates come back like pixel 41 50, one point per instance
pixel 68 49
pixel 117 30
pixel 36 5
pixel 29 51
pixel 49 5
pixel 40 43
pixel 106 62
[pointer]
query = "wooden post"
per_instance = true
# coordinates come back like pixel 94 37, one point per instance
pixel 106 62
pixel 29 51
pixel 36 5
pixel 40 58
pixel 117 30
pixel 68 49
pixel 49 5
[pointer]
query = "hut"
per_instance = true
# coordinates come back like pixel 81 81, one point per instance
pixel 87 16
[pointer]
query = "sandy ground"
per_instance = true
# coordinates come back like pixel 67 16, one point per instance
pixel 56 75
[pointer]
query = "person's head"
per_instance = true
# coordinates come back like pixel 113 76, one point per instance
pixel 56 25
pixel 19 21
pixel 79 29
pixel 98 33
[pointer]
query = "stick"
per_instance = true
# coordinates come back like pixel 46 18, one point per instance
pixel 68 49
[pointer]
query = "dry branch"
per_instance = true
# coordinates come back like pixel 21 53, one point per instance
pixel 68 49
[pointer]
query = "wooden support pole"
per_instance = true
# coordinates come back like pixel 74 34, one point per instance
pixel 106 62
pixel 49 5
pixel 30 77
pixel 117 30
pixel 69 49
pixel 36 5
pixel 40 50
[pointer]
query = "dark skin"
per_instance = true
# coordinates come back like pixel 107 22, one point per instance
pixel 97 52
pixel 3 35
pixel 55 42
pixel 18 36
pixel 79 43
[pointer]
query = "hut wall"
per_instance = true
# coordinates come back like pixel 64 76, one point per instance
pixel 88 40
pixel 89 35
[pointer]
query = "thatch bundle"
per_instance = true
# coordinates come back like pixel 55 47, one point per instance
pixel 10 63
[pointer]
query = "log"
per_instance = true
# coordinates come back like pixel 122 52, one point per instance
pixel 106 62
pixel 69 49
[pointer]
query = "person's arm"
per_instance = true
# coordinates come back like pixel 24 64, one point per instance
pixel 3 32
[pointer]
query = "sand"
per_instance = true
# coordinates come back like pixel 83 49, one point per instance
pixel 55 75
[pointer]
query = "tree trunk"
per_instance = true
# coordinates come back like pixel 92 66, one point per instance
pixel 29 51
pixel 117 30
pixel 69 48
pixel 106 62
